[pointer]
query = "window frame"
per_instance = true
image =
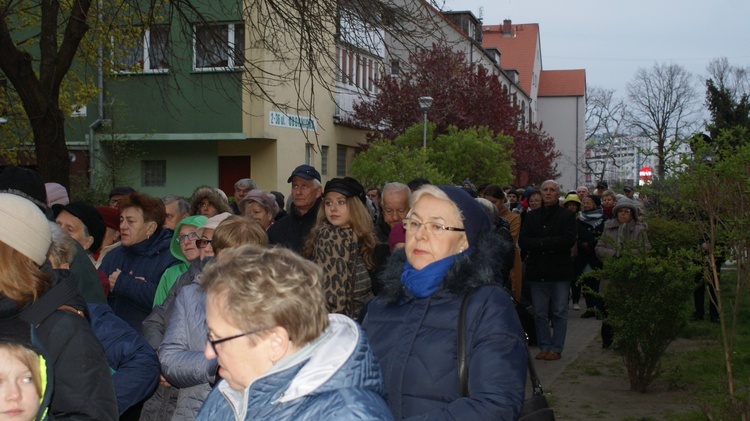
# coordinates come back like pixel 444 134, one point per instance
pixel 145 47
pixel 230 46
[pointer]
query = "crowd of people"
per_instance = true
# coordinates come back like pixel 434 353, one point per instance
pixel 341 303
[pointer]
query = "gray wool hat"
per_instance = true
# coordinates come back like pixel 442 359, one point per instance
pixel 626 203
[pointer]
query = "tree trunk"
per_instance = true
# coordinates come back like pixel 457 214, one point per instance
pixel 52 157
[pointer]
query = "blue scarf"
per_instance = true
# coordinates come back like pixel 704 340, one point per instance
pixel 422 283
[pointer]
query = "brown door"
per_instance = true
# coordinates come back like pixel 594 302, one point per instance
pixel 231 169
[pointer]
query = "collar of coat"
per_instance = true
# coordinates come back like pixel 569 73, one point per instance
pixel 482 265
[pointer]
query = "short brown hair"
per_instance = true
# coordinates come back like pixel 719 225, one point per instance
pixel 153 209
pixel 236 231
pixel 21 279
pixel 267 287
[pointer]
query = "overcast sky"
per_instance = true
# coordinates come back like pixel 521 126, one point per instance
pixel 612 39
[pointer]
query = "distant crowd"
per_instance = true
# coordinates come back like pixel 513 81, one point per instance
pixel 341 302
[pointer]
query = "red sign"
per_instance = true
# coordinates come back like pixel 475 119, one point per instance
pixel 645 173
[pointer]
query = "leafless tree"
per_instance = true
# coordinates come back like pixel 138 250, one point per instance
pixel 663 100
pixel 606 129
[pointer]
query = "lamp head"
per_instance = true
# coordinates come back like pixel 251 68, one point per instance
pixel 425 102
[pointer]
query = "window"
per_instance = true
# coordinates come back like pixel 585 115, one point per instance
pixel 219 46
pixel 308 153
pixel 395 67
pixel 341 161
pixel 324 160
pixel 149 54
pixel 154 173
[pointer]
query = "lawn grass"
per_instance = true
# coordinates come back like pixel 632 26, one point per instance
pixel 702 371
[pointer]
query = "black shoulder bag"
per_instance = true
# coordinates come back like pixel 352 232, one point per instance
pixel 534 408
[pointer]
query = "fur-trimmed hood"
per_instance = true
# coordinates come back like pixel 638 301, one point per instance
pixel 483 264
pixel 214 197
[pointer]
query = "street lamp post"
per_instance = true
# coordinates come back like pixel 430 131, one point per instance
pixel 424 103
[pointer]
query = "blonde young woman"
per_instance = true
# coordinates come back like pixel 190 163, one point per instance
pixel 343 243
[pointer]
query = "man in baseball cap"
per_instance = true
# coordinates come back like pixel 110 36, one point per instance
pixel 292 230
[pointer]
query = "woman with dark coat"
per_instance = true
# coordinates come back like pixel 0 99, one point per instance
pixel 590 228
pixel 136 266
pixel 413 324
pixel 50 301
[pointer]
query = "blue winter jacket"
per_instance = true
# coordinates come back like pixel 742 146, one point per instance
pixel 134 362
pixel 132 298
pixel 340 380
pixel 415 341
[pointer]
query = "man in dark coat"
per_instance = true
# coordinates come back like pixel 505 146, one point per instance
pixel 547 235
pixel 292 230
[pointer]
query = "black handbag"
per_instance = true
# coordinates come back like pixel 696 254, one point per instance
pixel 534 408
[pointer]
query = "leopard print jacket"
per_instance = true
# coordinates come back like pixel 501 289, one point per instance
pixel 346 283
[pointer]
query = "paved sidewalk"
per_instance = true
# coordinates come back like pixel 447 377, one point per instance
pixel 581 332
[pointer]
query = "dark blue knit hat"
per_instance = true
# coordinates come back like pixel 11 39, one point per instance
pixel 476 220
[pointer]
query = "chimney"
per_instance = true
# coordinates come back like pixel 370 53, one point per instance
pixel 507 28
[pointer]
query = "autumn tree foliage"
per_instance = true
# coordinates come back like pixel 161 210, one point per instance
pixel 465 95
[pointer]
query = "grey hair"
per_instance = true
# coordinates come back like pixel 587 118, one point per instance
pixel 182 204
pixel 551 182
pixel 489 207
pixel 63 247
pixel 395 187
pixel 247 183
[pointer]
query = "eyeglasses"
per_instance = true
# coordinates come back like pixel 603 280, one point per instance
pixel 114 201
pixel 191 236
pixel 202 243
pixel 218 341
pixel 242 191
pixel 434 228
pixel 535 201
pixel 205 205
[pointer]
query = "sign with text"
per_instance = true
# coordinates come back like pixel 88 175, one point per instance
pixel 292 121
pixel 645 173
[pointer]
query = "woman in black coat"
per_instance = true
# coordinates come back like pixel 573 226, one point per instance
pixel 29 290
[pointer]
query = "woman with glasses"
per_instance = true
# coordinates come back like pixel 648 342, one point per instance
pixel 183 248
pixel 136 266
pixel 281 356
pixel 208 201
pixel 343 243
pixel 413 324
pixel 181 350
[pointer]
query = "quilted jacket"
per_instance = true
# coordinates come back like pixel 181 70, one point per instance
pixel 340 381
pixel 415 341
pixel 181 351
pixel 134 362
pixel 132 298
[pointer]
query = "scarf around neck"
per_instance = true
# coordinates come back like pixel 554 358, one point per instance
pixel 594 217
pixel 422 283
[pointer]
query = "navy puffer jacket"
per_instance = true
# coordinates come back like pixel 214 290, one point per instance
pixel 415 341
pixel 132 298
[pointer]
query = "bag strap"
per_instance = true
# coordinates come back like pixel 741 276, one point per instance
pixel 463 371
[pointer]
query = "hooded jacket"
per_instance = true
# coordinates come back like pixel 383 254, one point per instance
pixel 217 200
pixel 132 298
pixel 415 340
pixel 83 387
pixel 18 332
pixel 339 380
pixel 170 275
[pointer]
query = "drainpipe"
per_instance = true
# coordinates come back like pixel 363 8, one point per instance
pixel 577 142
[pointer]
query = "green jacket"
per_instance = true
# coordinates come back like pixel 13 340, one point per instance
pixel 170 275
